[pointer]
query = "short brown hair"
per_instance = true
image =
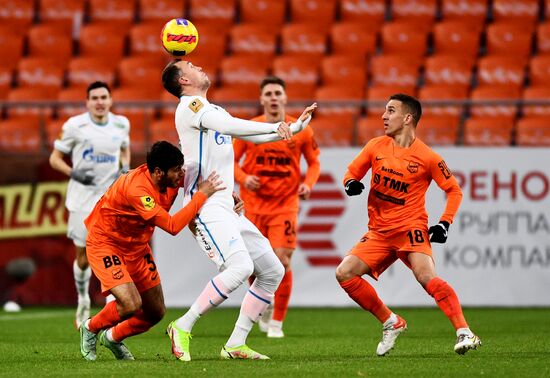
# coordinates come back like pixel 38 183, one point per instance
pixel 170 78
pixel 411 104
pixel 272 80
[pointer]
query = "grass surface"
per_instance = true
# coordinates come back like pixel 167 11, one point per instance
pixel 319 342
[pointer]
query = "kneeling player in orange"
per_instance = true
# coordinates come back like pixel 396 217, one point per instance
pixel 119 230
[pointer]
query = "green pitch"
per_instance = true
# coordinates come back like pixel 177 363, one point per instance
pixel 320 342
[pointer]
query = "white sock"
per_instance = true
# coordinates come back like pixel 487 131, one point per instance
pixel 240 332
pixel 82 281
pixel 464 331
pixel 109 335
pixel 391 320
pixel 277 324
pixel 188 320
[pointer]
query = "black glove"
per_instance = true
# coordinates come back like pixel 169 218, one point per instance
pixel 354 187
pixel 438 233
pixel 83 176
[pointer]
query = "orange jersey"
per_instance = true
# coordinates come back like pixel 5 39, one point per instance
pixel 400 179
pixel 277 164
pixel 128 212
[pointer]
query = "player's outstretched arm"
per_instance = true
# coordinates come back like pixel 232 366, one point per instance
pixel 228 125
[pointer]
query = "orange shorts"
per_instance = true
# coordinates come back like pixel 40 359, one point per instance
pixel 280 229
pixel 113 267
pixel 379 250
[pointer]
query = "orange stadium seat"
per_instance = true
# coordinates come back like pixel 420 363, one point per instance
pixel 448 69
pixel 369 12
pixel 495 93
pixel 255 39
pixel 170 103
pixel 265 12
pixel 144 39
pixel 40 72
pixel 523 12
pixel 140 72
pixel 488 131
pixel 132 93
pixel 339 99
pixel 497 70
pixel 11 47
pixel 65 14
pixel 442 92
pixel 296 69
pixel 6 80
pixel 21 134
pixel 369 127
pixel 313 11
pixel 16 14
pixel 212 42
pixel 161 10
pixel 533 131
pixel 34 93
pixel 222 12
pixel 50 41
pixel 472 13
pixel 73 99
pixel 163 129
pixel 543 37
pixel 438 130
pixel 539 70
pixel 380 95
pixel 393 70
pixel 456 38
pixel 344 70
pixel 242 70
pixel 537 93
pixel 303 39
pixel 83 71
pixel 333 130
pixel 508 38
pixel 352 38
pixel 53 131
pixel 121 11
pixel 403 38
pixel 235 95
pixel 417 11
pixel 103 40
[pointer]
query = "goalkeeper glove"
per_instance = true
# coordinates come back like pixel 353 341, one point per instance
pixel 83 176
pixel 438 233
pixel 354 187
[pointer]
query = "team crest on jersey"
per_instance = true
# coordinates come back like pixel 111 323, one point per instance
pixel 120 125
pixel 195 105
pixel 117 273
pixel 148 202
pixel 412 167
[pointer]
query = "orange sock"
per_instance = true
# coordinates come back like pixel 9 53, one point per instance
pixel 446 299
pixel 132 326
pixel 282 297
pixel 105 318
pixel 364 294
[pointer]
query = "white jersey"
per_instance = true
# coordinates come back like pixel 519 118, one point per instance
pixel 204 131
pixel 95 147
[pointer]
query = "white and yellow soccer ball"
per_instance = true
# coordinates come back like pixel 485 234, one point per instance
pixel 179 37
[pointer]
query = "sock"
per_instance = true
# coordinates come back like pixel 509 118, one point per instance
pixel 282 297
pixel 446 299
pixel 212 295
pixel 364 294
pixel 276 324
pixel 106 318
pixel 464 331
pixel 82 281
pixel 391 320
pixel 254 303
pixel 132 326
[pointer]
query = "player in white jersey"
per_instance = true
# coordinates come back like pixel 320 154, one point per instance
pixel 98 144
pixel 230 240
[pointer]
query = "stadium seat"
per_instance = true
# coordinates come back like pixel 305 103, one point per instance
pixel 40 72
pixel 53 131
pixel 212 42
pixel 442 92
pixel 265 12
pixel 344 70
pixel 352 38
pixel 508 38
pixel 456 38
pixel 369 127
pixel 163 129
pixel 543 37
pixel 103 40
pixel 72 102
pixel 221 12
pixel 524 12
pixel 539 70
pixel 21 134
pixel 537 93
pixel 378 95
pixel 161 10
pixel 133 93
pixel 448 70
pixel 403 38
pixel 313 11
pixel 499 70
pixel 299 92
pixel 438 130
pixel 370 13
pixel 141 72
pixel 50 41
pixel 65 14
pixel 488 131
pixel 11 47
pixel 121 12
pixel 393 70
pixel 6 81
pixel 296 69
pixel 303 39
pixel 416 11
pixel 339 99
pixel 18 15
pixel 333 130
pixel 242 70
pixel 472 13
pixel 27 94
pixel 83 71
pixel 533 131
pixel 144 39
pixel 232 97
pixel 508 93
pixel 170 102
pixel 253 39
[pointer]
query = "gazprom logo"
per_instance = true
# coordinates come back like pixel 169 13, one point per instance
pixel 88 155
pixel 222 139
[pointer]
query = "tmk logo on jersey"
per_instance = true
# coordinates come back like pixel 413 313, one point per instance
pixel 222 139
pixel 88 155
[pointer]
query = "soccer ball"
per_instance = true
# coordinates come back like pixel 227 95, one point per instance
pixel 179 37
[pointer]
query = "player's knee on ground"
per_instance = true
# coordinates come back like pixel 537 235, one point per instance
pixel 236 270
